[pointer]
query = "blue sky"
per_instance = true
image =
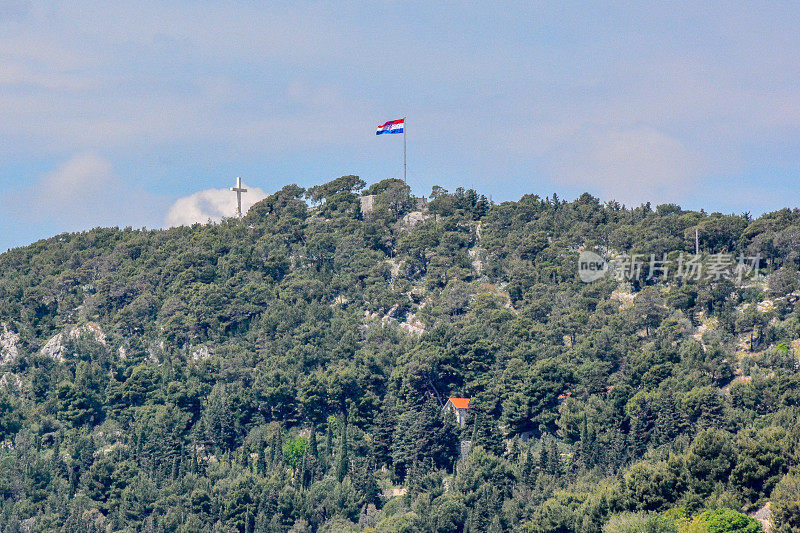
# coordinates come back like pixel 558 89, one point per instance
pixel 139 113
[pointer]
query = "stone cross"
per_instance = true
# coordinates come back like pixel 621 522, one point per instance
pixel 238 190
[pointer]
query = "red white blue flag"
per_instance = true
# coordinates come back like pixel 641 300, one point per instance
pixel 393 126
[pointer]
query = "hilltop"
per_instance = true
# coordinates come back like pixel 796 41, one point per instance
pixel 287 371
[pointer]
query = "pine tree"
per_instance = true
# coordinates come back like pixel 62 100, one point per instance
pixel 435 436
pixel 485 432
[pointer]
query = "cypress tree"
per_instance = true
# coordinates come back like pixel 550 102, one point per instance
pixel 383 431
pixel 544 460
pixel 261 460
pixel 529 473
pixel 311 457
pixel 328 445
pixel 276 450
pixel 56 463
pixel 303 475
pixel 342 457
pixel 312 442
pixel 586 445
pixel 371 489
pixel 553 457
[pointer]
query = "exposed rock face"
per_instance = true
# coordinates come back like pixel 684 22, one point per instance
pixel 415 217
pixel 394 266
pixel 764 515
pixel 201 354
pixel 9 342
pixel 477 263
pixel 412 325
pixel 55 346
pixel 624 296
pixel 766 306
pixel 10 379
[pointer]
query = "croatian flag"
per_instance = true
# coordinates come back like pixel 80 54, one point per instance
pixel 393 126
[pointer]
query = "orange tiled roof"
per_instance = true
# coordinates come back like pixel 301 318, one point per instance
pixel 460 403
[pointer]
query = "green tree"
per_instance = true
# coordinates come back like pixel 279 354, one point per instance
pixel 639 523
pixel 79 401
pixel 294 449
pixel 710 459
pixel 724 521
pixel 10 415
pixel 785 501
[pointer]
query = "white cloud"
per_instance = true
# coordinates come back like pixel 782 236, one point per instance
pixel 210 205
pixel 82 175
pixel 632 165
pixel 81 193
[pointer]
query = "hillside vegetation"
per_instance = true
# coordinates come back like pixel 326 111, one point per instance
pixel 287 371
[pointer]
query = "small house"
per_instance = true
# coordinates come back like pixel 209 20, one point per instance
pixel 459 406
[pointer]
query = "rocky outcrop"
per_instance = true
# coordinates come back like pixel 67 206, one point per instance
pixel 9 345
pixel 394 266
pixel 764 515
pixel 477 262
pixel 9 379
pixel 412 325
pixel 201 354
pixel 54 348
pixel 415 217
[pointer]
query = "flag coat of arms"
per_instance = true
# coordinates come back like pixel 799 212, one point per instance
pixel 393 126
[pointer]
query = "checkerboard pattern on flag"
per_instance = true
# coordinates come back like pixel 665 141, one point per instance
pixel 393 126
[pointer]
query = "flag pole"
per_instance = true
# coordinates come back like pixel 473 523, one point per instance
pixel 404 150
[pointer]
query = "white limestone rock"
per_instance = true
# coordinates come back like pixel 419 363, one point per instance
pixel 201 354
pixel 9 345
pixel 54 348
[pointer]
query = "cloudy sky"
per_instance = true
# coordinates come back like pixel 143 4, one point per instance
pixel 142 113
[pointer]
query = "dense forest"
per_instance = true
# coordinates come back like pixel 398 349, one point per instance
pixel 287 371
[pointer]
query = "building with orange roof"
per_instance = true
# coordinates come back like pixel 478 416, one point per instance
pixel 459 406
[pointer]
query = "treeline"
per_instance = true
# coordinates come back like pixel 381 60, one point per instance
pixel 287 371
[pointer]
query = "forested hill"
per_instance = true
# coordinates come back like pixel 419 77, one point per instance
pixel 287 371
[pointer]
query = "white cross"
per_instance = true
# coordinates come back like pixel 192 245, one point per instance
pixel 238 190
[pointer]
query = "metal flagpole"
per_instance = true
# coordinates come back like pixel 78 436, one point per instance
pixel 404 151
